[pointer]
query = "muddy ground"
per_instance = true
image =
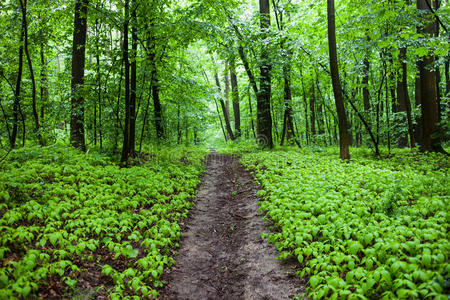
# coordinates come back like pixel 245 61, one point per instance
pixel 222 255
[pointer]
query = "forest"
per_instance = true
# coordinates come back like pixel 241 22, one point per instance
pixel 224 149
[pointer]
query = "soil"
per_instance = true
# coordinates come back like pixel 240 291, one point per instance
pixel 222 255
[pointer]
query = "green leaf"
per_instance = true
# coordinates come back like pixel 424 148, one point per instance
pixel 426 260
pixel 421 51
pixel 314 281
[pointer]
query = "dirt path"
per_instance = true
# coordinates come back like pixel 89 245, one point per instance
pixel 222 255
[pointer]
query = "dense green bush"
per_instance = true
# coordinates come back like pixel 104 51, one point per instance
pixel 59 207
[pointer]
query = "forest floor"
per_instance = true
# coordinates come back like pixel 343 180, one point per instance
pixel 222 255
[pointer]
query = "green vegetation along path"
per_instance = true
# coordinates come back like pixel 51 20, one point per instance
pixel 222 255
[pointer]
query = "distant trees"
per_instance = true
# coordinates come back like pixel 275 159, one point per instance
pixel 142 73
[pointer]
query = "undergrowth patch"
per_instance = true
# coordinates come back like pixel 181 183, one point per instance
pixel 77 224
pixel 362 229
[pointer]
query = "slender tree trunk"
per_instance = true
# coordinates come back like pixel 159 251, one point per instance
pixel 44 82
pixel 126 130
pixel 235 95
pixel 288 124
pixel 430 116
pixel 224 109
pixel 134 41
pixel 178 124
pixel 227 91
pixel 403 99
pixel 312 115
pixel 144 121
pixel 157 110
pixel 16 104
pixel 117 110
pixel 251 112
pixel 221 123
pixel 78 56
pixel 22 117
pixel 365 82
pixel 99 91
pixel 386 100
pixel 264 119
pixel 438 71
pixel 343 131
pixel 5 119
pixel 447 76
pixel 305 103
pixel 418 102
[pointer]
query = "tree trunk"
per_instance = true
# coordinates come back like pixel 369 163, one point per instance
pixel 288 124
pixel 264 119
pixel 338 97
pixel 16 104
pixel 251 112
pixel 365 82
pixel 178 124
pixel 403 99
pixel 312 115
pixel 23 4
pixel 157 110
pixel 235 95
pixel 99 92
pixel 430 116
pixel 438 71
pixel 134 41
pixel 78 57
pixel 44 82
pixel 305 102
pixel 226 92
pixel 447 76
pixel 126 127
pixel 224 109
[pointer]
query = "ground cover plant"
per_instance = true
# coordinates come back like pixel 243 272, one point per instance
pixel 76 224
pixel 361 229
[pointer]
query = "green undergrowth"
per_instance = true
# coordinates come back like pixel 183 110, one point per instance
pixel 65 213
pixel 367 228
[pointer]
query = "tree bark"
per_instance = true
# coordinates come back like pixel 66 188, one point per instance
pixel 447 76
pixel 438 71
pixel 126 130
pixel 235 96
pixel 288 124
pixel 312 107
pixel 264 119
pixel 77 139
pixel 226 91
pixel 338 97
pixel 224 109
pixel 16 104
pixel 134 41
pixel 23 5
pixel 365 82
pixel 305 103
pixel 44 81
pixel 403 99
pixel 250 106
pixel 157 110
pixel 99 93
pixel 430 113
